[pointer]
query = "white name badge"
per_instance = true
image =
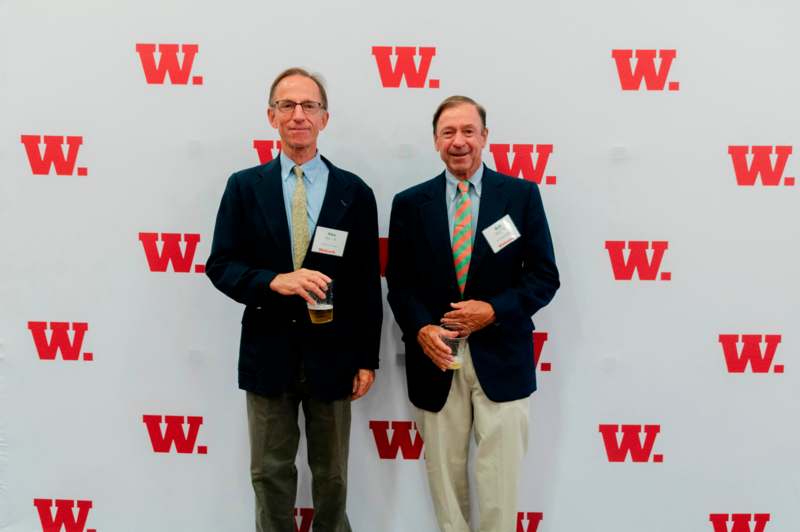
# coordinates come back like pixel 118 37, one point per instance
pixel 329 241
pixel 501 233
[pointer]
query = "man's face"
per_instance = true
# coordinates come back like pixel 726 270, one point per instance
pixel 459 139
pixel 298 130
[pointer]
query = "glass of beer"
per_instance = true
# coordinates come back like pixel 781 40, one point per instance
pixel 457 345
pixel 322 309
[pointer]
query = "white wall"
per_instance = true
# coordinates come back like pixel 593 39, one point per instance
pixel 630 166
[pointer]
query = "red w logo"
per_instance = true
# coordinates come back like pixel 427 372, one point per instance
pixel 617 451
pixel 539 338
pixel 533 519
pixel 522 164
pixel 760 165
pixel 631 78
pixel 399 441
pixel 383 251
pixel 760 360
pixel 405 66
pixel 59 340
pixel 638 260
pixel 174 433
pixel 168 63
pixel 264 149
pixel 306 517
pixel 741 522
pixel 53 155
pixel 65 517
pixel 171 252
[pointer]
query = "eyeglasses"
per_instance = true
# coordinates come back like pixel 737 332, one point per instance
pixel 288 106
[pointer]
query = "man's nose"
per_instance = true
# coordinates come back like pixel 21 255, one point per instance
pixel 297 113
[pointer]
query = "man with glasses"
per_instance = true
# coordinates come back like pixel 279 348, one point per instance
pixel 470 254
pixel 286 230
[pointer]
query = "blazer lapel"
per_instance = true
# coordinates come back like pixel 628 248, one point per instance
pixel 338 198
pixel 269 194
pixel 492 208
pixel 437 231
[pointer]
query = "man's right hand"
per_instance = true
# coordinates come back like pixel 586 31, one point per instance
pixel 429 338
pixel 300 282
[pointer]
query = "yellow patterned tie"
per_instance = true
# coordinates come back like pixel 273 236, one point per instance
pixel 299 219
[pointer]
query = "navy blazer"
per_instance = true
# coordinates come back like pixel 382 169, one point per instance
pixel 252 245
pixel 517 281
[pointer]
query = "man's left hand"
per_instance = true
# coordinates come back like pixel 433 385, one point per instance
pixel 362 383
pixel 470 315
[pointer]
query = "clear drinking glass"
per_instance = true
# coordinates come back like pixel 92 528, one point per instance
pixel 322 309
pixel 457 345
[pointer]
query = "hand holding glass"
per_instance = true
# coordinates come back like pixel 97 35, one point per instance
pixel 322 309
pixel 457 345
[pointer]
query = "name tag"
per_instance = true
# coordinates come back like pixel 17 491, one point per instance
pixel 329 241
pixel 501 233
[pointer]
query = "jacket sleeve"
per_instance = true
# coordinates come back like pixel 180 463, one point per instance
pixel 229 266
pixel 367 273
pixel 409 312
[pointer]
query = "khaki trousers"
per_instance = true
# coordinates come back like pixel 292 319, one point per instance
pixel 274 439
pixel 501 435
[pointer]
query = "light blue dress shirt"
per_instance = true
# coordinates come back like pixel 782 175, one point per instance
pixel 451 192
pixel 315 178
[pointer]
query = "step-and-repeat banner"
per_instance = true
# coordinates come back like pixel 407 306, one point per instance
pixel 662 136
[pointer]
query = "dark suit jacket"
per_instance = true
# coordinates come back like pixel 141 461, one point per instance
pixel 517 281
pixel 252 245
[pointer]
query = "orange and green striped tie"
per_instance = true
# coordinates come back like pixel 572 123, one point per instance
pixel 462 235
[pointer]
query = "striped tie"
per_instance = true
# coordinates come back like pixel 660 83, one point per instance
pixel 299 220
pixel 462 235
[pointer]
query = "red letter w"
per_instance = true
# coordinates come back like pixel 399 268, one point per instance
pixel 400 440
pixel 630 442
pixel 522 164
pixel 741 522
pixel 264 149
pixel 533 518
pixel 760 361
pixel 539 339
pixel 168 63
pixel 174 433
pixel 637 259
pixel 59 339
pixel 171 252
pixel 404 67
pixel 64 517
pixel 761 164
pixel 306 517
pixel 631 78
pixel 53 154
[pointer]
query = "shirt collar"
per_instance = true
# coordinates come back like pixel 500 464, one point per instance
pixel 311 169
pixel 452 182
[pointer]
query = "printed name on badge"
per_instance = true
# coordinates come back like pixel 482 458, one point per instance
pixel 501 233
pixel 329 241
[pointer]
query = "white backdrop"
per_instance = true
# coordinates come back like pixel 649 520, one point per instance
pixel 629 165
